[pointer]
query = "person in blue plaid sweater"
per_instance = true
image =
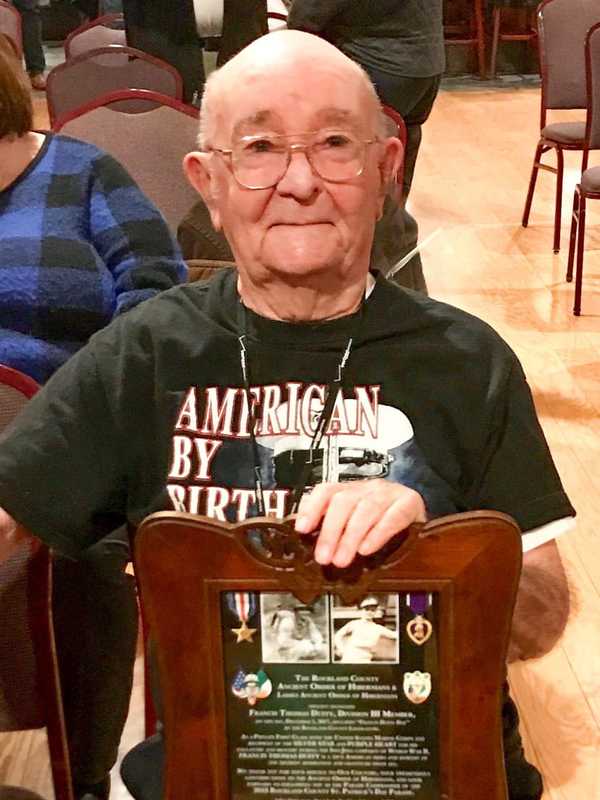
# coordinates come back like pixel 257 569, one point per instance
pixel 79 244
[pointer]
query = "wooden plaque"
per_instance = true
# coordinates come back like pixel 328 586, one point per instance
pixel 254 711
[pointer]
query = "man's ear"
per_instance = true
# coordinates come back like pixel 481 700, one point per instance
pixel 196 166
pixel 389 166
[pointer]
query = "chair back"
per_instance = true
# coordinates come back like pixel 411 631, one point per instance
pixel 204 582
pixel 107 69
pixel 150 144
pixel 203 269
pixel 592 58
pixel 10 25
pixel 100 32
pixel 562 28
pixel 30 695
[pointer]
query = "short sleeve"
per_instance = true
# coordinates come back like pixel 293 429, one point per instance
pixel 518 476
pixel 60 461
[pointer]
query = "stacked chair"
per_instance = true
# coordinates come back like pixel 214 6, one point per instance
pixel 100 32
pixel 150 143
pixel 128 103
pixel 93 73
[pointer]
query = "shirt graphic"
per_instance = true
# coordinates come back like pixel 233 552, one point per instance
pixel 212 465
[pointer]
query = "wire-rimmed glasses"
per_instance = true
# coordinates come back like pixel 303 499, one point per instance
pixel 261 161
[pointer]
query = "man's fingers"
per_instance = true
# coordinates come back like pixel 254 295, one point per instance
pixel 341 508
pixel 312 506
pixel 364 515
pixel 398 517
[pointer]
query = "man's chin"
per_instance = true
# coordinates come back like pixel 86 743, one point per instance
pixel 302 255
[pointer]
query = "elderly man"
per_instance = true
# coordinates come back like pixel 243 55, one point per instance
pixel 174 405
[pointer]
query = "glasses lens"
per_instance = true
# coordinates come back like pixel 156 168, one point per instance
pixel 337 156
pixel 259 163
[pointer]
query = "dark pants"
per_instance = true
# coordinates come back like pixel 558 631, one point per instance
pixel 32 35
pixel 397 232
pixel 168 31
pixel 95 619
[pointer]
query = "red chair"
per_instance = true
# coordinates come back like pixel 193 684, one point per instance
pixel 10 25
pixel 589 187
pixel 30 695
pixel 562 28
pixel 94 73
pixel 100 32
pixel 150 142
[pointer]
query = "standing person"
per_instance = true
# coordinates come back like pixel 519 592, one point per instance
pixel 400 44
pixel 35 60
pixel 165 408
pixel 167 30
pixel 79 245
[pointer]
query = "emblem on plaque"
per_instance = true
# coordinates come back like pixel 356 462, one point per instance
pixel 417 686
pixel 242 605
pixel 251 686
pixel 419 629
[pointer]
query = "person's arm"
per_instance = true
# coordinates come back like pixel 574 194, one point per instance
pixel 387 633
pixel 131 236
pixel 542 606
pixel 314 15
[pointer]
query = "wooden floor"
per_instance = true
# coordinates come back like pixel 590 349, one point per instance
pixel 468 195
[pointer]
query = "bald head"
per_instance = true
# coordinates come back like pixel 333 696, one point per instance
pixel 277 56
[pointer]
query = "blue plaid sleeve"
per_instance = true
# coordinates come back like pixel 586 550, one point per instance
pixel 131 236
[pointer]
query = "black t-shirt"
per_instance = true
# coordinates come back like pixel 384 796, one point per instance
pixel 152 415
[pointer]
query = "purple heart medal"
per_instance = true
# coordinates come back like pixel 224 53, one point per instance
pixel 420 628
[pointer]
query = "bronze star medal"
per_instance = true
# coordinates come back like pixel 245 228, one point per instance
pixel 244 633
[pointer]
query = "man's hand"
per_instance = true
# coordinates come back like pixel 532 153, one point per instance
pixel 357 517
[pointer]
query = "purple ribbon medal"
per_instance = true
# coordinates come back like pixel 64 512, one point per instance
pixel 420 628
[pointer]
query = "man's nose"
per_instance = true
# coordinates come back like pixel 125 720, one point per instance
pixel 300 180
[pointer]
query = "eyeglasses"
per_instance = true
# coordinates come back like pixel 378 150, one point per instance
pixel 260 162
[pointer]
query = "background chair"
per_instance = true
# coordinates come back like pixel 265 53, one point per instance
pixel 99 32
pixel 589 187
pixel 85 77
pixel 463 25
pixel 10 24
pixel 150 143
pixel 203 269
pixel 30 695
pixel 562 28
pixel 526 33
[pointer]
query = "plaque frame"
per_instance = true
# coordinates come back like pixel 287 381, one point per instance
pixel 183 562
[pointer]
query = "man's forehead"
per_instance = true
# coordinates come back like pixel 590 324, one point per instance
pixel 321 117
